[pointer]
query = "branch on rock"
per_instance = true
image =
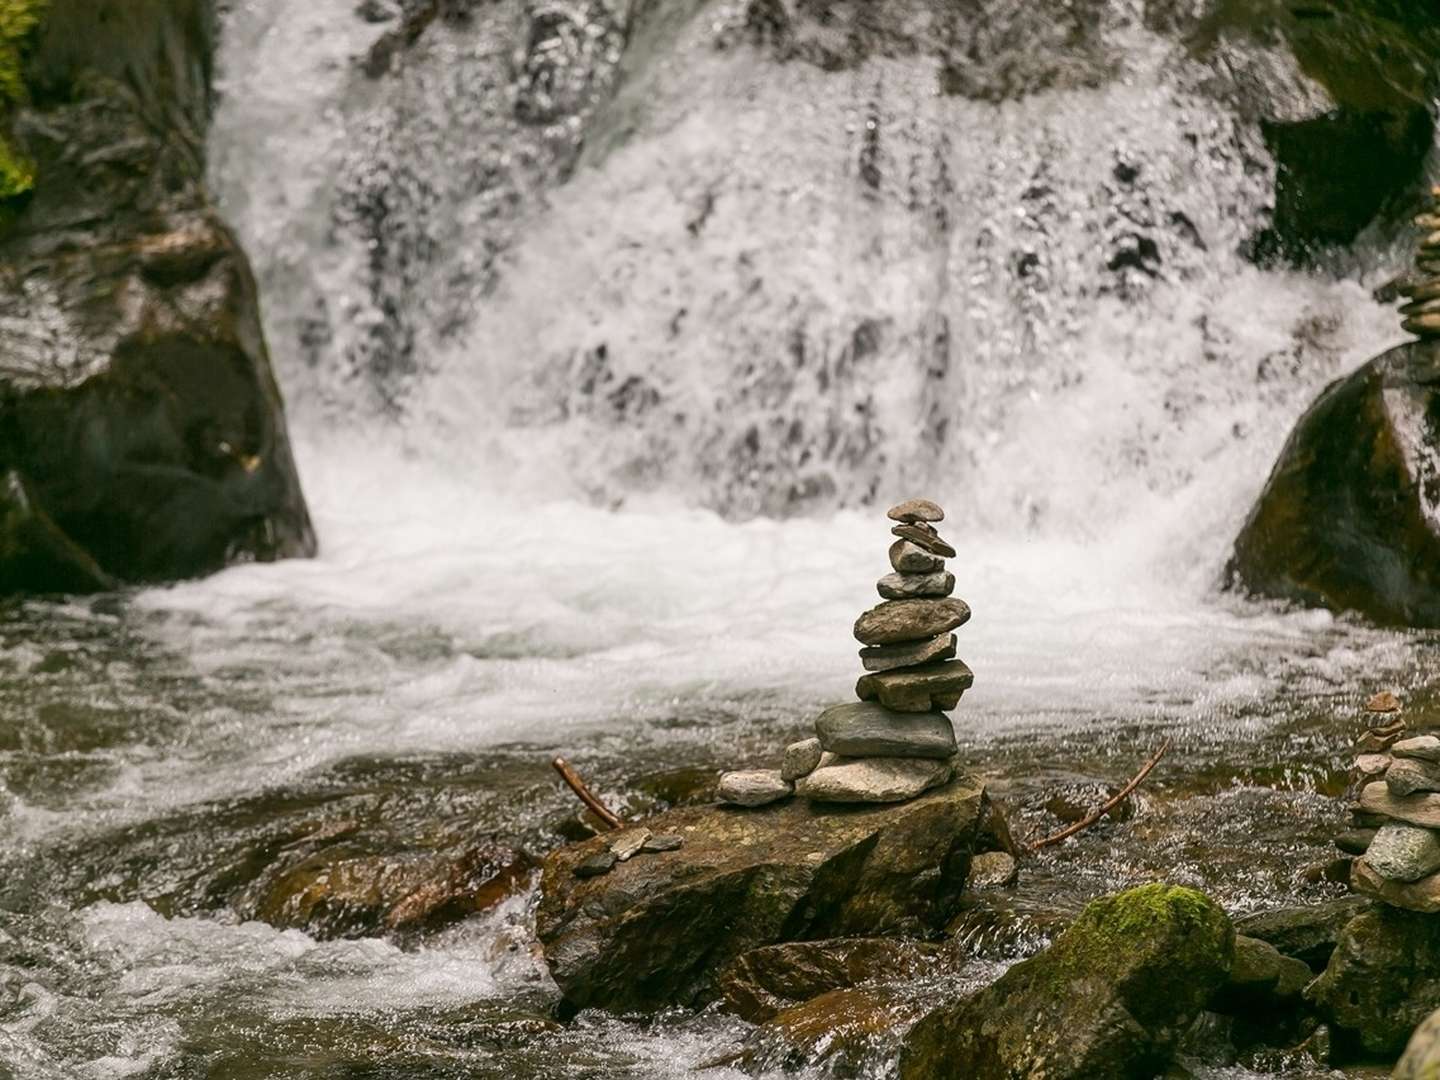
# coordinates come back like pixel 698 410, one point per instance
pixel 588 797
pixel 1110 804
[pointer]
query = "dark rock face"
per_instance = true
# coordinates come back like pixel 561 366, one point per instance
pixel 138 411
pixel 1382 981
pixel 1110 998
pixel 770 980
pixel 1306 933
pixel 1348 518
pixel 659 930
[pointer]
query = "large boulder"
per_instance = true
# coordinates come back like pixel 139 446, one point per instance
pixel 142 435
pixel 659 929
pixel 1350 517
pixel 1421 1060
pixel 1111 998
pixel 1382 981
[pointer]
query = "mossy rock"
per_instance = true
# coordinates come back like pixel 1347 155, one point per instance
pixel 1110 998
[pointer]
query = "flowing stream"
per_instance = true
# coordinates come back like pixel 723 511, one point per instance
pixel 606 344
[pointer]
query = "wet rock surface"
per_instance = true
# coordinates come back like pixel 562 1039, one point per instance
pixel 1348 517
pixel 1112 997
pixel 769 980
pixel 659 930
pixel 1307 933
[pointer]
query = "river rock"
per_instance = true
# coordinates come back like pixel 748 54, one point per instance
pixel 1350 517
pixel 1424 810
pixel 141 416
pixel 1307 933
pixel 1372 766
pixel 908 654
pixel 1382 981
pixel 800 759
pixel 1379 740
pixel 874 779
pixel 925 537
pixel 657 932
pixel 896 621
pixel 906 558
pixel 654 845
pixel 1404 853
pixel 1421 747
pixel 1110 998
pixel 1261 978
pixel 1383 701
pixel 838 1032
pixel 917 689
pixel 863 729
pixel 1355 841
pixel 913 510
pixel 627 843
pixel 766 981
pixel 909 586
pixel 1421 1060
pixel 754 787
pixel 1422 895
pixel 602 862
pixel 1409 775
pixel 994 870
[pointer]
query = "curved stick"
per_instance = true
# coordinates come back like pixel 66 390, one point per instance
pixel 1109 805
pixel 599 809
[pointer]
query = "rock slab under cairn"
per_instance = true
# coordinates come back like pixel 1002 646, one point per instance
pixel 1423 810
pixel 912 510
pixel 800 759
pixel 754 787
pixel 874 780
pixel 865 729
pixel 908 654
pixel 917 689
pixel 1405 853
pixel 910 586
pixel 906 558
pixel 896 621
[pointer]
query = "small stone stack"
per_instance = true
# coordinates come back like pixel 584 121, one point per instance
pixel 1395 822
pixel 1422 313
pixel 896 742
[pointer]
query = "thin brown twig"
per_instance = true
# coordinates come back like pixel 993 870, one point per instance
pixel 1123 794
pixel 599 809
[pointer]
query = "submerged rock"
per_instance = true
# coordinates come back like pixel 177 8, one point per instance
pixel 138 410
pixel 1350 517
pixel 658 931
pixel 766 981
pixel 1383 980
pixel 1111 998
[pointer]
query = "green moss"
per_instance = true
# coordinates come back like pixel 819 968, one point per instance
pixel 18 19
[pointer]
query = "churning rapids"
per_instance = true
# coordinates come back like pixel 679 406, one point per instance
pixel 595 431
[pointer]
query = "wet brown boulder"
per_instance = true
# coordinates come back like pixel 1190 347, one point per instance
pixel 774 978
pixel 1350 517
pixel 138 411
pixel 658 930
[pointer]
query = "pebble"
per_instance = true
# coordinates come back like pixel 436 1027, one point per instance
pixel 906 558
pixel 754 787
pixel 993 870
pixel 908 654
pixel 663 842
pixel 896 621
pixel 909 586
pixel 628 843
pixel 1409 775
pixel 1424 747
pixel 1404 853
pixel 925 537
pixel 912 510
pixel 866 729
pixel 801 759
pixel 874 780
pixel 602 862
pixel 917 689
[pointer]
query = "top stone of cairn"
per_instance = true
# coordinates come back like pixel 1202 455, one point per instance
pixel 912 510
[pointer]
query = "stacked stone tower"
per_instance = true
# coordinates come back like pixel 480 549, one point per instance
pixel 1422 313
pixel 896 741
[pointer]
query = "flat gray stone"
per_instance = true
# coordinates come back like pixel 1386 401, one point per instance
pixel 754 787
pixel 908 654
pixel 909 586
pixel 627 843
pixel 800 759
pixel 917 689
pixel 916 510
pixel 1423 747
pixel 906 558
pixel 663 842
pixel 893 621
pixel 1402 852
pixel 926 537
pixel 602 862
pixel 874 780
pixel 1410 775
pixel 1424 810
pixel 865 729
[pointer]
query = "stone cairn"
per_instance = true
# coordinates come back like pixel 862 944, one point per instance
pixel 896 742
pixel 1422 313
pixel 1395 820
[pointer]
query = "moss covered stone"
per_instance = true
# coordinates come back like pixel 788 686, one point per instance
pixel 1110 998
pixel 18 20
